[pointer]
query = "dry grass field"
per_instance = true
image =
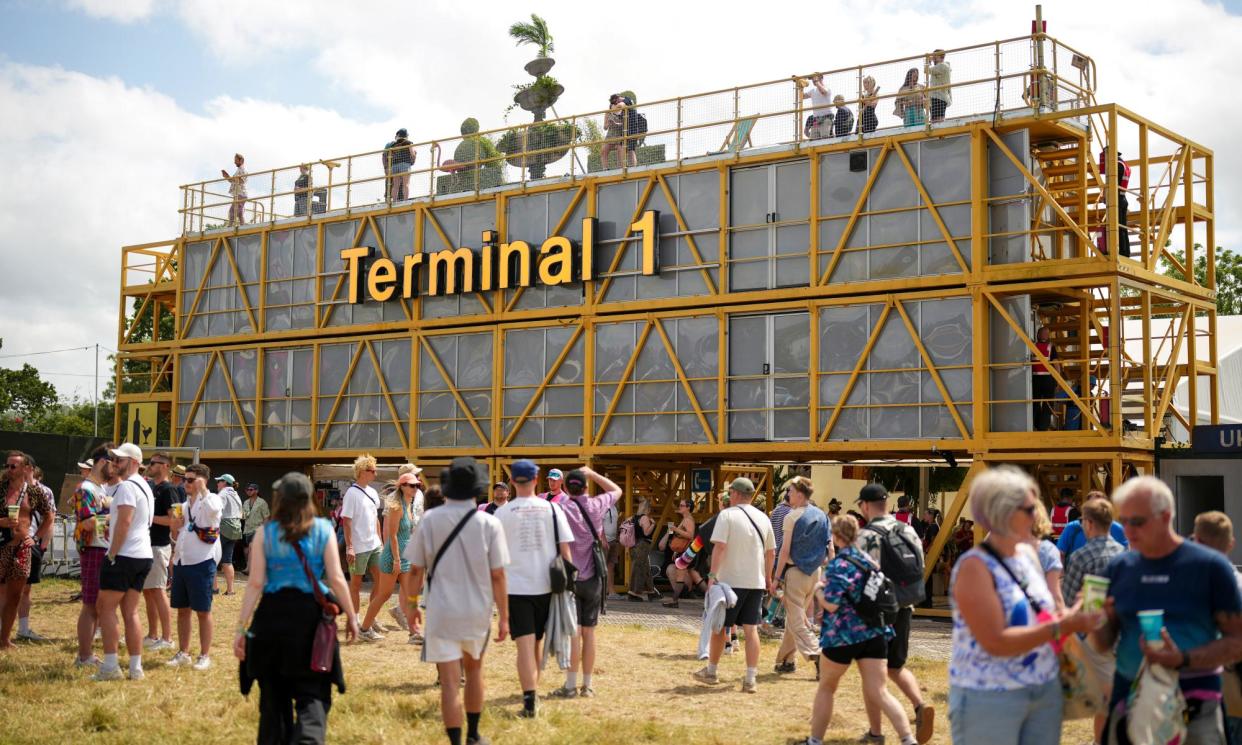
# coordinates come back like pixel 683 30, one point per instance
pixel 645 694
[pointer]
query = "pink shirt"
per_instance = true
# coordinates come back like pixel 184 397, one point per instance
pixel 596 506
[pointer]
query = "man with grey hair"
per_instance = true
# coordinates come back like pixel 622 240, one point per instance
pixel 743 555
pixel 1195 589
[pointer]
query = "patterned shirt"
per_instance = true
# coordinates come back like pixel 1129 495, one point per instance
pixel 1092 558
pixel 977 669
pixel 87 502
pixel 846 627
pixel 778 524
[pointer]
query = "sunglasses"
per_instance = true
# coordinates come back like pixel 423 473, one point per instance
pixel 190 479
pixel 1133 522
pixel 12 466
pixel 1029 509
pixel 370 470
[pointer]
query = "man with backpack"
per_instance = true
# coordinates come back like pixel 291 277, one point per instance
pixel 897 549
pixel 462 552
pixel 585 515
pixel 742 558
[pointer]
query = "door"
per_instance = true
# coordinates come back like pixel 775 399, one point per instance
pixel 769 218
pixel 769 384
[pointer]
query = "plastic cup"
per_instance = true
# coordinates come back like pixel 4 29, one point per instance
pixel 1151 621
pixel 1094 591
pixel 14 510
pixel 176 509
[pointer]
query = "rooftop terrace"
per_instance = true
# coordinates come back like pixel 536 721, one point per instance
pixel 998 79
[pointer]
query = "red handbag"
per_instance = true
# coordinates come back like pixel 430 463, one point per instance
pixel 323 651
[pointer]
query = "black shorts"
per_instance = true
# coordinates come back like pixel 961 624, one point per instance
pixel 126 573
pixel 899 646
pixel 748 609
pixel 36 565
pixel 875 648
pixel 587 597
pixel 528 614
pixel 226 550
pixel 937 109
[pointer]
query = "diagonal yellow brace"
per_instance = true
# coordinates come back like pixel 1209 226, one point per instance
pixel 858 206
pixel 685 382
pixel 560 225
pixel 625 377
pixel 622 247
pixel 858 366
pixel 198 294
pixel 184 429
pixel 452 386
pixel 241 418
pixel 681 223
pixel 340 393
pixel 931 208
pixel 383 384
pixel 534 399
pixel 931 368
pixel 241 286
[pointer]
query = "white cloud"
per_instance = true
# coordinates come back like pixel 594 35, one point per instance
pixel 93 163
pixel 122 11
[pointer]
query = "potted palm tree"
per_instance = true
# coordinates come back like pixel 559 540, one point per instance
pixel 537 97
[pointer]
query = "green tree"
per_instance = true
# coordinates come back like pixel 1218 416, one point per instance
pixel 24 395
pixel 535 33
pixel 1228 277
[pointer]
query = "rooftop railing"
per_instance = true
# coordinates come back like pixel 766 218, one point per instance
pixel 996 79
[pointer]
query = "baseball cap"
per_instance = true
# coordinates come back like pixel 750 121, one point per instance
pixel 128 450
pixel 407 478
pixel 555 473
pixel 252 486
pixel 88 464
pixel 873 493
pixel 402 133
pixel 575 480
pixel 463 479
pixel 179 470
pixel 524 470
pixel 227 478
pixel 743 485
pixel 500 485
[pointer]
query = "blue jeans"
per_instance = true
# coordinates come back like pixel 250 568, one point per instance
pixel 1027 716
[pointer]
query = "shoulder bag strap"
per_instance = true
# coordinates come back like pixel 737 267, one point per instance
pixel 751 520
pixel 585 516
pixel 444 546
pixel 328 608
pixel 1035 604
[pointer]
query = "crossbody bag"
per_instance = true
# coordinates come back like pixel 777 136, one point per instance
pixel 323 650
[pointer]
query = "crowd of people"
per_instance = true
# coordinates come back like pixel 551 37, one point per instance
pixel 1107 586
pixel 913 104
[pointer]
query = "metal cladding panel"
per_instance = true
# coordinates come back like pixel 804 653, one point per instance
pixel 530 359
pixel 1010 371
pixel 1012 213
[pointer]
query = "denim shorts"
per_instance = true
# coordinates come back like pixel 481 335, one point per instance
pixel 400 167
pixel 1025 716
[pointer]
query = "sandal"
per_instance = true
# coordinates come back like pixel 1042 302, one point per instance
pixel 670 603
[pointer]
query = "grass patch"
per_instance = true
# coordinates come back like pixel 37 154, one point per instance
pixel 645 694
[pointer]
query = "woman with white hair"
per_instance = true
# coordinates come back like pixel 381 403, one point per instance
pixel 1003 674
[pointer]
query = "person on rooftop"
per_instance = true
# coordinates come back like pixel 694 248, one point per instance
pixel 939 75
pixel 302 190
pixel 237 190
pixel 910 100
pixel 843 122
pixel 819 122
pixel 399 156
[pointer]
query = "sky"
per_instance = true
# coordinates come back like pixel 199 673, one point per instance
pixel 107 106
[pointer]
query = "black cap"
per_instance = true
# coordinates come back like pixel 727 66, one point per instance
pixel 463 479
pixel 402 133
pixel 575 482
pixel 873 493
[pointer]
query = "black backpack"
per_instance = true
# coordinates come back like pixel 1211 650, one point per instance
pixel 636 125
pixel 877 597
pixel 902 562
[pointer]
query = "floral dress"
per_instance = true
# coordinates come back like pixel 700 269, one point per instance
pixel 845 581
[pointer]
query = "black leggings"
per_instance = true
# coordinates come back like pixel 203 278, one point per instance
pixel 280 698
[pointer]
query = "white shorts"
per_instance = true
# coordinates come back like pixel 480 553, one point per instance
pixel 157 578
pixel 451 650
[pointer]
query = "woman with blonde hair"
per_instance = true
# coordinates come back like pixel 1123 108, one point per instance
pixel 1004 686
pixel 293 565
pixel 867 120
pixel 394 567
pixel 1049 557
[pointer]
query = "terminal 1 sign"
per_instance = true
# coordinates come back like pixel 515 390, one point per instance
pixel 495 266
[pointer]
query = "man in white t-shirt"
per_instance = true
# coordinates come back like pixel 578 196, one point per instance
pixel 743 554
pixel 821 108
pixel 195 560
pixel 535 531
pixel 463 587
pixel 126 564
pixel 360 520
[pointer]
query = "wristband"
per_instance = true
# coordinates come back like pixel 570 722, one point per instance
pixel 1056 630
pixel 1185 663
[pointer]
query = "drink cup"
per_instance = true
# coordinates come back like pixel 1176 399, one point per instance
pixel 1094 591
pixel 14 510
pixel 1151 621
pixel 177 510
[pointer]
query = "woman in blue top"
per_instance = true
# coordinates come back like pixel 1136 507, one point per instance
pixel 1004 687
pixel 846 637
pixel 276 649
pixel 394 567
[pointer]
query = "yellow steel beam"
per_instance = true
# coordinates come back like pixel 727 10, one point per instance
pixel 553 369
pixel 950 518
pixel 241 286
pixel 858 366
pixel 853 219
pixel 624 245
pixel 241 417
pixel 383 383
pixel 452 386
pixel 340 393
pixel 198 396
pixel 931 368
pixel 198 294
pixel 625 377
pixel 931 208
pixel 681 223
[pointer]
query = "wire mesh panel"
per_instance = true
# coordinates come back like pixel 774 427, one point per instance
pixel 768 384
pixel 533 218
pixel 452 228
pixel 531 359
pixel 362 405
pixel 220 418
pixel 1009 201
pixel 288 373
pixel 1009 369
pixel 291 271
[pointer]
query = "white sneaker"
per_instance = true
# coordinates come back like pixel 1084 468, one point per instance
pixel 415 639
pixel 180 659
pixel 161 645
pixel 31 636
pixel 202 663
pixel 370 635
pixel 381 628
pixel 149 642
pixel 399 617
pixel 137 674
pixel 108 673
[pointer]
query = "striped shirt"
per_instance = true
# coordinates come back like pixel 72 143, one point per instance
pixel 1092 558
